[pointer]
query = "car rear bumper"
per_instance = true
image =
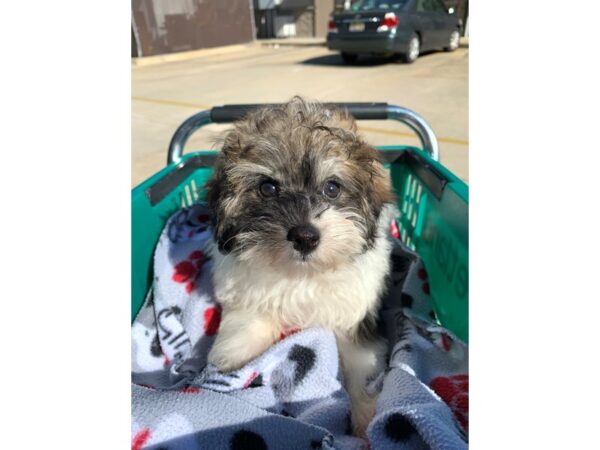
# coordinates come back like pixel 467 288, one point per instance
pixel 367 43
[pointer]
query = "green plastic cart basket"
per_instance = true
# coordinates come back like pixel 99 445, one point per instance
pixel 433 205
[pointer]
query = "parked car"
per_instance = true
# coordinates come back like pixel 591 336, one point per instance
pixel 394 27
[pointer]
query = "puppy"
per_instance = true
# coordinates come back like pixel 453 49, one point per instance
pixel 299 203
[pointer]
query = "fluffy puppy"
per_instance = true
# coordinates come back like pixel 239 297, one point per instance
pixel 299 204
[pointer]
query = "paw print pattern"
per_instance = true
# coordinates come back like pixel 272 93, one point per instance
pixel 197 223
pixel 246 440
pixel 190 390
pixel 187 223
pixel 422 274
pixel 253 376
pixel 140 439
pixel 394 230
pixel 437 336
pixel 454 391
pixel 288 332
pixel 305 358
pixel 398 428
pixel 212 320
pixel 445 342
pixel 187 271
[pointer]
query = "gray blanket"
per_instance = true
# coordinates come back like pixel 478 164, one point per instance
pixel 292 396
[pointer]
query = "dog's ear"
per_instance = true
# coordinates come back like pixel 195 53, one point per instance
pixel 378 194
pixel 377 181
pixel 233 145
pixel 216 192
pixel 214 186
pixel 382 184
pixel 379 191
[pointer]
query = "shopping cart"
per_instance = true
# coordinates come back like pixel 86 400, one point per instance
pixel 433 205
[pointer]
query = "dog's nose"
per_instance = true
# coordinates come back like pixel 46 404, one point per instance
pixel 304 237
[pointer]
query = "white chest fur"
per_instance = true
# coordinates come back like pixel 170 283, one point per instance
pixel 336 299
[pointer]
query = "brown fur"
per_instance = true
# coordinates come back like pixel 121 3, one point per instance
pixel 266 284
pixel 299 145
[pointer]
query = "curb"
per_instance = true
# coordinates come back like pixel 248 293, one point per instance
pixel 192 54
pixel 292 42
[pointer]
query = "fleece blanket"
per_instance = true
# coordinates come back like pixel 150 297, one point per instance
pixel 293 395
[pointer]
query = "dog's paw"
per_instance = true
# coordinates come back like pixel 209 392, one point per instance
pixel 241 339
pixel 236 351
pixel 362 415
pixel 225 361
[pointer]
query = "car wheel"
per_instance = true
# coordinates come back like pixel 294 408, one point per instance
pixel 453 41
pixel 412 49
pixel 349 58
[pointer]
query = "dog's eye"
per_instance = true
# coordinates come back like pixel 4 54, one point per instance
pixel 331 189
pixel 268 189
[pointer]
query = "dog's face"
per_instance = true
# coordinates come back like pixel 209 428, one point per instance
pixel 296 189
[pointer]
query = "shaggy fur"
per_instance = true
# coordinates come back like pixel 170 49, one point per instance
pixel 263 281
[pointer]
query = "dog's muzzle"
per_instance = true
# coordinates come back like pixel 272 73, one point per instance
pixel 304 237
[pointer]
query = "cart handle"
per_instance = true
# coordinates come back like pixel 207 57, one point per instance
pixel 360 111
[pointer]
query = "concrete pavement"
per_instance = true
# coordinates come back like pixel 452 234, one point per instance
pixel 166 93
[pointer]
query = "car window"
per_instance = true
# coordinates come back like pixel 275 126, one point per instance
pixel 423 6
pixel 370 5
pixel 438 6
pixel 430 6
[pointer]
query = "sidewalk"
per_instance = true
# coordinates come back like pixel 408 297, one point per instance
pixel 273 43
pixel 192 54
pixel 212 51
pixel 295 41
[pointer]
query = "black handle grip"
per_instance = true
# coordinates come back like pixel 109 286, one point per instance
pixel 360 111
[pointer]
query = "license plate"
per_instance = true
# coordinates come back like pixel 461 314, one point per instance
pixel 356 26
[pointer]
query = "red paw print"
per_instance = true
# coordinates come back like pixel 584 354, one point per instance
pixel 394 229
pixel 455 392
pixel 288 332
pixel 140 439
pixel 188 270
pixel 212 320
pixel 197 222
pixel 445 342
pixel 190 390
pixel 250 379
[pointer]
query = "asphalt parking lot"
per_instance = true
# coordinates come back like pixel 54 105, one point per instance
pixel 166 93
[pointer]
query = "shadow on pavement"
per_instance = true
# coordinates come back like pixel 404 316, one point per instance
pixel 335 59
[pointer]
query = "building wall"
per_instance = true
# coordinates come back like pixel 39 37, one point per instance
pixel 308 17
pixel 323 10
pixel 305 23
pixel 167 26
